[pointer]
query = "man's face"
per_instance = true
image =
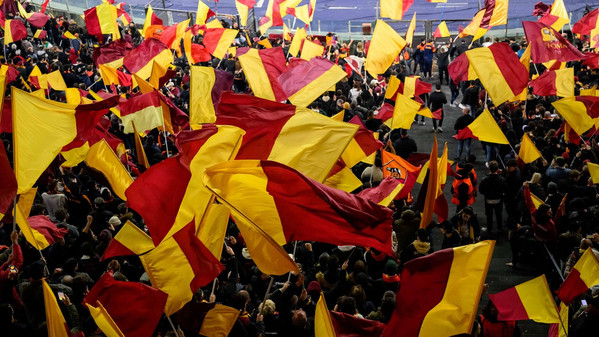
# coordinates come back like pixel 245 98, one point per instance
pixel 465 216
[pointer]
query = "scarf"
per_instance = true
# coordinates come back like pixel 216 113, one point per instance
pixel 390 278
pixel 422 247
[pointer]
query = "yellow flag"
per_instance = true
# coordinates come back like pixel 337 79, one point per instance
pixel 486 129
pixel 102 158
pixel 265 43
pixel 148 20
pixel 432 187
pixel 536 201
pixel 575 114
pixel 323 327
pixel 528 151
pixel 344 180
pixel 392 9
pixel 104 321
pixel 296 42
pixel 474 25
pixel 311 50
pixel 56 81
pixel 40 129
pixel 57 326
pixel 594 172
pixel 384 48
pixel 142 159
pixel 404 112
pixel 214 227
pixel 219 321
pixel 201 107
pixel 202 13
pixel 108 74
pixel 410 32
pixel 75 156
pixel 144 86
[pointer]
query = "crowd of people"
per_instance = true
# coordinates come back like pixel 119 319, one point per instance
pixel 354 280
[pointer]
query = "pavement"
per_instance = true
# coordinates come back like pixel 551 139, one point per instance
pixel 500 276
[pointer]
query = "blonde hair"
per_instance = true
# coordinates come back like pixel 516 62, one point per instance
pixel 536 178
pixel 269 307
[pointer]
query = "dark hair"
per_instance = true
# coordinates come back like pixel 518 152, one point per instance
pixel 346 304
pixel 493 166
pixel 438 86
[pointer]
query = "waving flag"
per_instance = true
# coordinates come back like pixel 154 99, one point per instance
pixel 384 193
pixel 441 31
pixel 441 276
pixel 218 40
pixel 304 83
pixel 56 325
pixel 384 48
pixel 332 216
pixel 499 70
pixel 39 231
pixel 395 9
pixel 172 35
pixel 101 20
pixel 304 13
pixel 262 69
pixel 575 114
pixel 143 109
pixel 528 151
pixel 296 42
pixel 102 158
pixel 411 29
pixel 547 44
pixel 401 170
pixel 529 300
pixel 243 6
pixel 14 30
pixel 495 13
pixel 8 183
pixel 484 128
pixel 112 54
pixel 311 50
pixel 36 19
pixel 404 112
pixel 194 52
pixel 554 83
pixel 206 86
pixel 150 20
pixel 203 13
pixel 363 145
pixel 149 304
pixel 141 59
pixel 219 321
pixel 584 275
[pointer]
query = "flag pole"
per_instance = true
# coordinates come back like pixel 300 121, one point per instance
pixel 561 322
pixel 267 291
pixel 559 272
pixel 172 325
pixel 213 286
pixel 14 212
pixel 165 139
pixel 294 249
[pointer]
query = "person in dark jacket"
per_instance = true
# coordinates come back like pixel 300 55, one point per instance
pixel 513 181
pixel 404 146
pixel 451 237
pixel 466 223
pixel 493 187
pixel 420 247
pixel 461 123
pixel 442 64
pixel 435 102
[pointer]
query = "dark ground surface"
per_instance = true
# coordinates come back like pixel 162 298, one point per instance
pixel 500 276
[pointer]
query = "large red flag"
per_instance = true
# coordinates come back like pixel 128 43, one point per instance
pixel 8 183
pixel 134 307
pixel 547 44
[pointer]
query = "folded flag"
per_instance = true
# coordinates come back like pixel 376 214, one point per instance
pixel 346 325
pixel 101 20
pixel 304 83
pixel 384 193
pixel 594 172
pixel 474 28
pixel 8 183
pixel 449 308
pixel 112 54
pixel 442 30
pixel 574 112
pixel 149 304
pixel 342 178
pixel 141 59
pixel 495 13
pixel 14 30
pixel 411 87
pixel 300 138
pixel 400 169
pixel 361 146
pixel 219 321
pixel 547 44
pixel 529 300
pixel 104 321
pixel 584 275
pixel 39 231
pixel 206 86
pixel 36 19
pixel 218 40
pixel 588 25
pixel 385 45
pixel 55 322
pixel 294 207
pixel 203 13
pixel 102 158
pixel 262 69
pixel 243 7
pixel 554 83
pixel 528 151
pixel 395 9
pixel 171 36
pixel 484 128
pixel 150 20
pixel 112 76
pixel 499 70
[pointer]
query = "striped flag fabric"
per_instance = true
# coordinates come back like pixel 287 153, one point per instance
pixel 495 13
pixel 404 111
pixel 112 54
pixel 342 178
pixel 14 30
pixel 385 45
pixel 460 69
pixel 384 194
pixel 331 216
pixel 323 326
pixel 218 40
pixel 574 112
pixel 442 30
pixel 194 52
pixel 141 59
pixel 395 9
pixel 8 183
pixel 411 87
pixel 311 49
pixel 36 19
pixel 483 128
pixel 554 83
pixel 206 86
pixel 272 131
pixel 529 300
pixel 547 44
pixel 40 34
pixel 143 109
pixel 499 70
pixel 589 25
pixel 104 321
pixel 262 69
pixel 150 20
pixel 111 294
pixel 304 83
pixel 172 35
pixel 243 7
pixel 203 13
pixel 584 275
pixel 361 146
pixel 101 20
pixel 474 27
pixel 304 13
pixel 438 275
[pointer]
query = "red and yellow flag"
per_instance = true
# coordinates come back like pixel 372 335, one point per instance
pixel 574 112
pixel 584 275
pixel 206 86
pixel 450 308
pixel 262 69
pixel 14 30
pixel 219 321
pixel 203 13
pixel 102 158
pixel 218 40
pixel 384 48
pixel 554 83
pixel 547 44
pixel 101 20
pixel 141 59
pixel 296 42
pixel 243 7
pixel 442 30
pixel 395 9
pixel 150 20
pixel 529 300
